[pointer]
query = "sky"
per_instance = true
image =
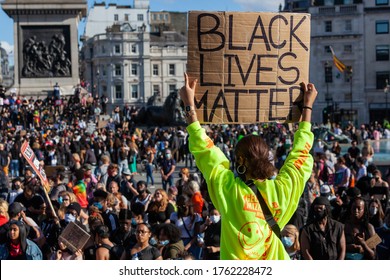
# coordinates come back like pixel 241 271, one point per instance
pixel 6 23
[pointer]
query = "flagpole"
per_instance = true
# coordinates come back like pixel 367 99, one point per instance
pixel 350 89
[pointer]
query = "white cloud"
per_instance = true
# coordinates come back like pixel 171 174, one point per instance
pixel 8 47
pixel 260 5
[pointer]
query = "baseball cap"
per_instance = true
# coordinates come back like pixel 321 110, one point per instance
pixel 15 208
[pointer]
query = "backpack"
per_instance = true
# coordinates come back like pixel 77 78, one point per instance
pixel 327 174
pixel 115 251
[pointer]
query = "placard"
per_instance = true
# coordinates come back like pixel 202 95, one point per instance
pixel 74 237
pixel 249 66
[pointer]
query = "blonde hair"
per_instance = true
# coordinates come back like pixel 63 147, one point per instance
pixel 291 229
pixel 4 208
pixel 105 159
pixel 159 206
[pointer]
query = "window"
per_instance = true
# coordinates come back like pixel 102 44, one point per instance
pixel 116 17
pixel 104 72
pixel 103 49
pixel 118 70
pixel 134 91
pixel 327 49
pixel 117 49
pixel 348 2
pixel 154 17
pixel 156 90
pixel 118 91
pixel 381 2
pixel 348 48
pixel 155 69
pixel 382 27
pixel 382 52
pixel 134 69
pixel 348 25
pixel 328 26
pixel 133 48
pixel 329 2
pixel 126 17
pixel 172 89
pixel 381 78
pixel 140 17
pixel 171 69
pixel 104 89
pixel 328 74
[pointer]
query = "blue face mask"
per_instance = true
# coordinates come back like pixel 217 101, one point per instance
pixel 98 205
pixel 134 222
pixel 60 200
pixel 69 218
pixel 164 242
pixel 386 226
pixel 152 241
pixel 287 242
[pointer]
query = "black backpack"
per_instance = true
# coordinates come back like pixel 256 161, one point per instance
pixel 115 251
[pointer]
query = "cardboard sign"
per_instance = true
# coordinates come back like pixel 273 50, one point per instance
pixel 373 241
pixel 249 66
pixel 74 237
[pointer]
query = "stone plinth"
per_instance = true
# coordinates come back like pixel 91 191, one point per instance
pixel 46 43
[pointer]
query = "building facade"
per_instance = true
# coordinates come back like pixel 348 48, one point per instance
pixel 6 73
pixel 128 63
pixel 358 32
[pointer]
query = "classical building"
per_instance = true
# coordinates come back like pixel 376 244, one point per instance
pixel 127 62
pixel 358 32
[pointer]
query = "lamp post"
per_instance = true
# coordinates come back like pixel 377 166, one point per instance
pixel 350 75
pixel 386 91
pixel 328 79
pixel 98 81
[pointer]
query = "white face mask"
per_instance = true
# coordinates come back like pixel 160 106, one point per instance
pixel 215 219
pixel 373 210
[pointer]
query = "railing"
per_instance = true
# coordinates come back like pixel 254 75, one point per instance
pixel 326 10
pixel 348 9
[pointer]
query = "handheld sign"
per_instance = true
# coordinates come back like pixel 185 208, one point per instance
pixel 249 66
pixel 74 237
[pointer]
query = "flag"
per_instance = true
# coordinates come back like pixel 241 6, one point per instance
pixel 337 62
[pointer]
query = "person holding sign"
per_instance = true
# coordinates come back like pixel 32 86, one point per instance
pixel 245 232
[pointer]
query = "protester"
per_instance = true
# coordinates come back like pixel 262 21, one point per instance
pixel 255 239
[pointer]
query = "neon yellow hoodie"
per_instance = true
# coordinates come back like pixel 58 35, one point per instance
pixel 245 233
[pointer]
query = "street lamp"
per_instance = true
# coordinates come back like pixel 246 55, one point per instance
pixel 386 90
pixel 350 76
pixel 328 79
pixel 98 81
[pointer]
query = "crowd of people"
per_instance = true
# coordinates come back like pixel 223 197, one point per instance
pixel 92 172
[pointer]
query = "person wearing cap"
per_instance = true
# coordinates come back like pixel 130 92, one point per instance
pixel 322 238
pixel 128 185
pixel 72 214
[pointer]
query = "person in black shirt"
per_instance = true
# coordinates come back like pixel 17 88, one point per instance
pixel 322 238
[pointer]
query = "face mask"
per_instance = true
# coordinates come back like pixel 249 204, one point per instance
pixel 140 191
pixel 60 200
pixel 373 211
pixel 386 227
pixel 69 218
pixel 287 242
pixel 319 215
pixel 164 242
pixel 168 156
pixel 152 241
pixel 133 222
pixel 215 219
pixel 98 205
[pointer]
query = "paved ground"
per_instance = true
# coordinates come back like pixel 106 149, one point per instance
pixel 157 175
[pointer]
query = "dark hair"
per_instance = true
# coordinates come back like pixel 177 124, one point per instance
pixel 125 214
pixel 256 154
pixel 365 219
pixel 183 199
pixel 145 224
pixel 171 231
pixel 103 231
pixel 22 233
pixel 141 182
pixel 138 208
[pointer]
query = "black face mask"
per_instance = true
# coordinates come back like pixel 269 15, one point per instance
pixel 140 191
pixel 319 215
